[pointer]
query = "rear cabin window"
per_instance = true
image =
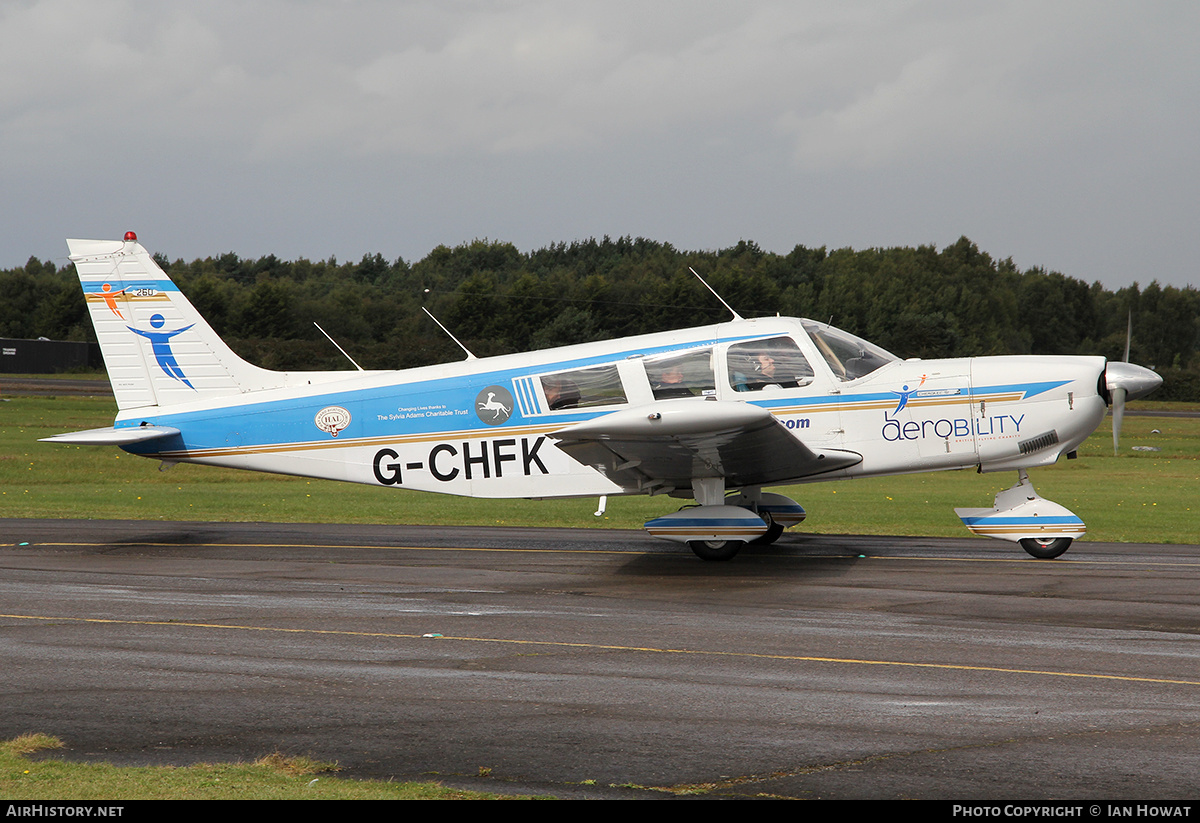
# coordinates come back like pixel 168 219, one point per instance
pixel 681 375
pixel 771 364
pixel 583 388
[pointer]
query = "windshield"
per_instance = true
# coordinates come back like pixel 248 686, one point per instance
pixel 848 356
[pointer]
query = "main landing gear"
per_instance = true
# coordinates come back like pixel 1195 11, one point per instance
pixel 774 530
pixel 716 549
pixel 720 526
pixel 1046 548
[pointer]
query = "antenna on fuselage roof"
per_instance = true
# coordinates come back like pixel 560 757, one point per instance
pixel 736 316
pixel 448 334
pixel 339 348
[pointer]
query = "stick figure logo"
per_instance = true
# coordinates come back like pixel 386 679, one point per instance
pixel 110 298
pixel 905 393
pixel 160 344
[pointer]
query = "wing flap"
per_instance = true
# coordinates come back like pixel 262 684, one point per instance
pixel 672 442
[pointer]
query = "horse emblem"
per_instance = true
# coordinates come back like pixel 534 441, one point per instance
pixel 494 405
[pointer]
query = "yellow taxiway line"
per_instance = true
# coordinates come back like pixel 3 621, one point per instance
pixel 611 647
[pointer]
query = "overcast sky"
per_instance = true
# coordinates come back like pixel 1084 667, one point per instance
pixel 1061 134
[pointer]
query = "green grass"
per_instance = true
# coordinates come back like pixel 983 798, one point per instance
pixel 70 375
pixel 1139 496
pixel 274 777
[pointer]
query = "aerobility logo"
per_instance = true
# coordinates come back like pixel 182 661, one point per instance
pixel 942 428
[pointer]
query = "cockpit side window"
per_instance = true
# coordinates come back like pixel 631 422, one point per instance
pixel 583 388
pixel 681 375
pixel 771 364
pixel 848 356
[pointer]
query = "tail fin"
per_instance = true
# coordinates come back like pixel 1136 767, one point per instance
pixel 157 348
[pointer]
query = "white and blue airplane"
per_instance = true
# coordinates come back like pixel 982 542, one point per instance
pixel 712 414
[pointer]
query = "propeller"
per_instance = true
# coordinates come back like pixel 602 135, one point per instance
pixel 1118 414
pixel 1125 381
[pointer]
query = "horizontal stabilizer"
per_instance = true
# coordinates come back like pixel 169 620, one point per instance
pixel 113 437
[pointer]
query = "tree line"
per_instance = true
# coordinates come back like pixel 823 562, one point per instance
pixel 916 302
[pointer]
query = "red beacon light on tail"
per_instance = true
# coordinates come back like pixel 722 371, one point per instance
pixel 130 237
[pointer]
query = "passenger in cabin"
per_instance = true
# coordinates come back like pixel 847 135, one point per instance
pixel 670 383
pixel 770 374
pixel 778 364
pixel 560 393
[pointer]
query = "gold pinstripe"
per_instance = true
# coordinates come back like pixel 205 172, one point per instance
pixel 378 440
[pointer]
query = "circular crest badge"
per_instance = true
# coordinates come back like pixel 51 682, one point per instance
pixel 332 419
pixel 494 405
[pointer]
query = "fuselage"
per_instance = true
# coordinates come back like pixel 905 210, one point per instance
pixel 485 427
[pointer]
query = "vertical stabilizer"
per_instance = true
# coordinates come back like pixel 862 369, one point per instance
pixel 157 348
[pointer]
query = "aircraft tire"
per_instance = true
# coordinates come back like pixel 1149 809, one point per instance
pixel 773 532
pixel 716 549
pixel 1044 549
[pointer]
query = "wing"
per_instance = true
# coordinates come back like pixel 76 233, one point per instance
pixel 670 443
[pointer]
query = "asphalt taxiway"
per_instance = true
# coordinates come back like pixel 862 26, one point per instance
pixel 587 663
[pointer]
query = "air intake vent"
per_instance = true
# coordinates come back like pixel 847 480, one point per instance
pixel 1039 442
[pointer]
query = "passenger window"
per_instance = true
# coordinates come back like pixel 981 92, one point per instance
pixel 681 375
pixel 583 388
pixel 777 363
